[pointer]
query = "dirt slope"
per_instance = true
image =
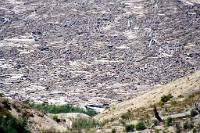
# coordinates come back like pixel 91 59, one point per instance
pixel 182 86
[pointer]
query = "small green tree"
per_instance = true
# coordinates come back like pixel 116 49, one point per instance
pixel 113 131
pixel 140 126
pixel 166 98
pixel 194 130
pixel 129 128
pixel 169 121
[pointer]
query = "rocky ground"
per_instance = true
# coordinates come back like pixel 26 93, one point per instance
pixel 95 52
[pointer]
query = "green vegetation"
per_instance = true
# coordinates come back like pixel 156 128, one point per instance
pixel 194 130
pixel 129 128
pixel 161 103
pixel 173 102
pixel 155 122
pixel 178 128
pixel 6 103
pixel 166 98
pixel 1 94
pixel 79 124
pixel 169 121
pixel 147 116
pixel 122 122
pixel 140 126
pixel 62 109
pixel 56 118
pixel 193 113
pixel 8 123
pixel 113 131
pixel 144 116
pixel 127 115
pixel 188 125
pixel 107 107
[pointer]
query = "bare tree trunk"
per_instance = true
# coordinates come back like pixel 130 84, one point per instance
pixel 156 114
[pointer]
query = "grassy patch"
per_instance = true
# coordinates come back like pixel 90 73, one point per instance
pixel 79 124
pixel 62 109
pixel 127 115
pixel 173 102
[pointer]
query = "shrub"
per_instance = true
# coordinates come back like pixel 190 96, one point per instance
pixel 129 128
pixel 173 102
pixel 191 125
pixel 112 119
pixel 147 116
pixel 10 124
pixel 107 107
pixel 1 95
pixel 187 125
pixel 56 118
pixel 193 113
pixel 169 121
pixel 180 96
pixel 140 126
pixel 127 115
pixel 25 114
pixel 90 112
pixel 6 103
pixel 194 130
pixel 166 98
pixel 161 103
pixel 157 131
pixel 178 129
pixel 79 124
pixel 155 122
pixel 61 109
pixel 113 131
pixel 123 122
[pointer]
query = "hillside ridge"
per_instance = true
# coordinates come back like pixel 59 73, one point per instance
pixel 183 86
